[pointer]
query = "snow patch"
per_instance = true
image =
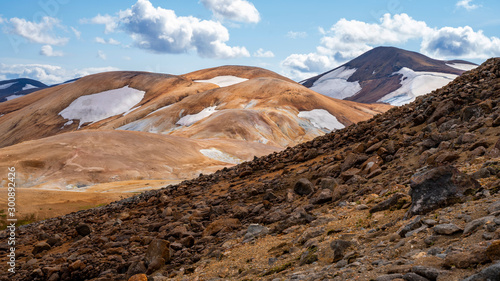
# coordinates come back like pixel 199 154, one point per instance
pixel 5 86
pixel 462 66
pixel 189 120
pixel 322 119
pixel 214 153
pixel 29 86
pixel 334 84
pixel 13 97
pixel 141 125
pixel 96 107
pixel 414 84
pixel 67 124
pixel 223 81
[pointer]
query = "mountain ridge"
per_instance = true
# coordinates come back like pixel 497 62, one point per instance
pixel 375 74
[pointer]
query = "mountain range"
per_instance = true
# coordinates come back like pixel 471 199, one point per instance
pixel 118 126
pixel 14 88
pixel 388 75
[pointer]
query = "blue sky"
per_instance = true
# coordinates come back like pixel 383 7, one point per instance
pixel 57 40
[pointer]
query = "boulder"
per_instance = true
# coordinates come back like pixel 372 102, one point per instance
pixel 303 187
pixel 158 248
pixel 433 188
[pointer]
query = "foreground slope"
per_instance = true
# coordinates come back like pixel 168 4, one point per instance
pixel 387 74
pixel 340 207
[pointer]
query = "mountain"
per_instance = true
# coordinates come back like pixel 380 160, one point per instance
pixel 410 194
pixel 11 89
pixel 214 117
pixel 387 74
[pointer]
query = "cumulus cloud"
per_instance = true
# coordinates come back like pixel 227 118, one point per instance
pixel 460 42
pixel 347 39
pixel 162 31
pixel 48 51
pixel 235 10
pixel 109 41
pixel 263 54
pixel 466 4
pixel 41 32
pixel 296 34
pixel 48 74
pixel 101 55
pixel 110 22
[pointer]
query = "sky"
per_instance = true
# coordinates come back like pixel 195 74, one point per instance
pixel 57 40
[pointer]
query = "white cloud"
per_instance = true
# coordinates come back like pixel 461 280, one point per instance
pixel 162 31
pixel 467 5
pixel 110 22
pixel 49 74
pixel 48 51
pixel 110 41
pixel 41 32
pixel 348 39
pixel 77 33
pixel 235 10
pixel 296 34
pixel 263 54
pixel 460 42
pixel 302 66
pixel 101 55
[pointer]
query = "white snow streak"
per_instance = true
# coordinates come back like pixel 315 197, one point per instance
pixel 96 107
pixel 29 86
pixel 218 155
pixel 189 120
pixel 13 97
pixel 223 81
pixel 462 66
pixel 414 84
pixel 335 84
pixel 5 86
pixel 322 119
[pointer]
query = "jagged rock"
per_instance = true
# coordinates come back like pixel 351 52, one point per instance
pixel 303 187
pixel 446 229
pixel 475 224
pixel 310 233
pixel 339 247
pixel 136 267
pixel 157 249
pixel 466 259
pixel 412 225
pixel 387 204
pixel 40 247
pixel 255 230
pixel 428 272
pixel 221 226
pixel 410 276
pixel 493 250
pixel 83 229
pixel 433 188
pixel 491 273
pixel 324 196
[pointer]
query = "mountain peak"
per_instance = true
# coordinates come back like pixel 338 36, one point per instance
pixel 378 76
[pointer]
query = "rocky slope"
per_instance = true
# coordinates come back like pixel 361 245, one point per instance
pixel 387 74
pixel 411 194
